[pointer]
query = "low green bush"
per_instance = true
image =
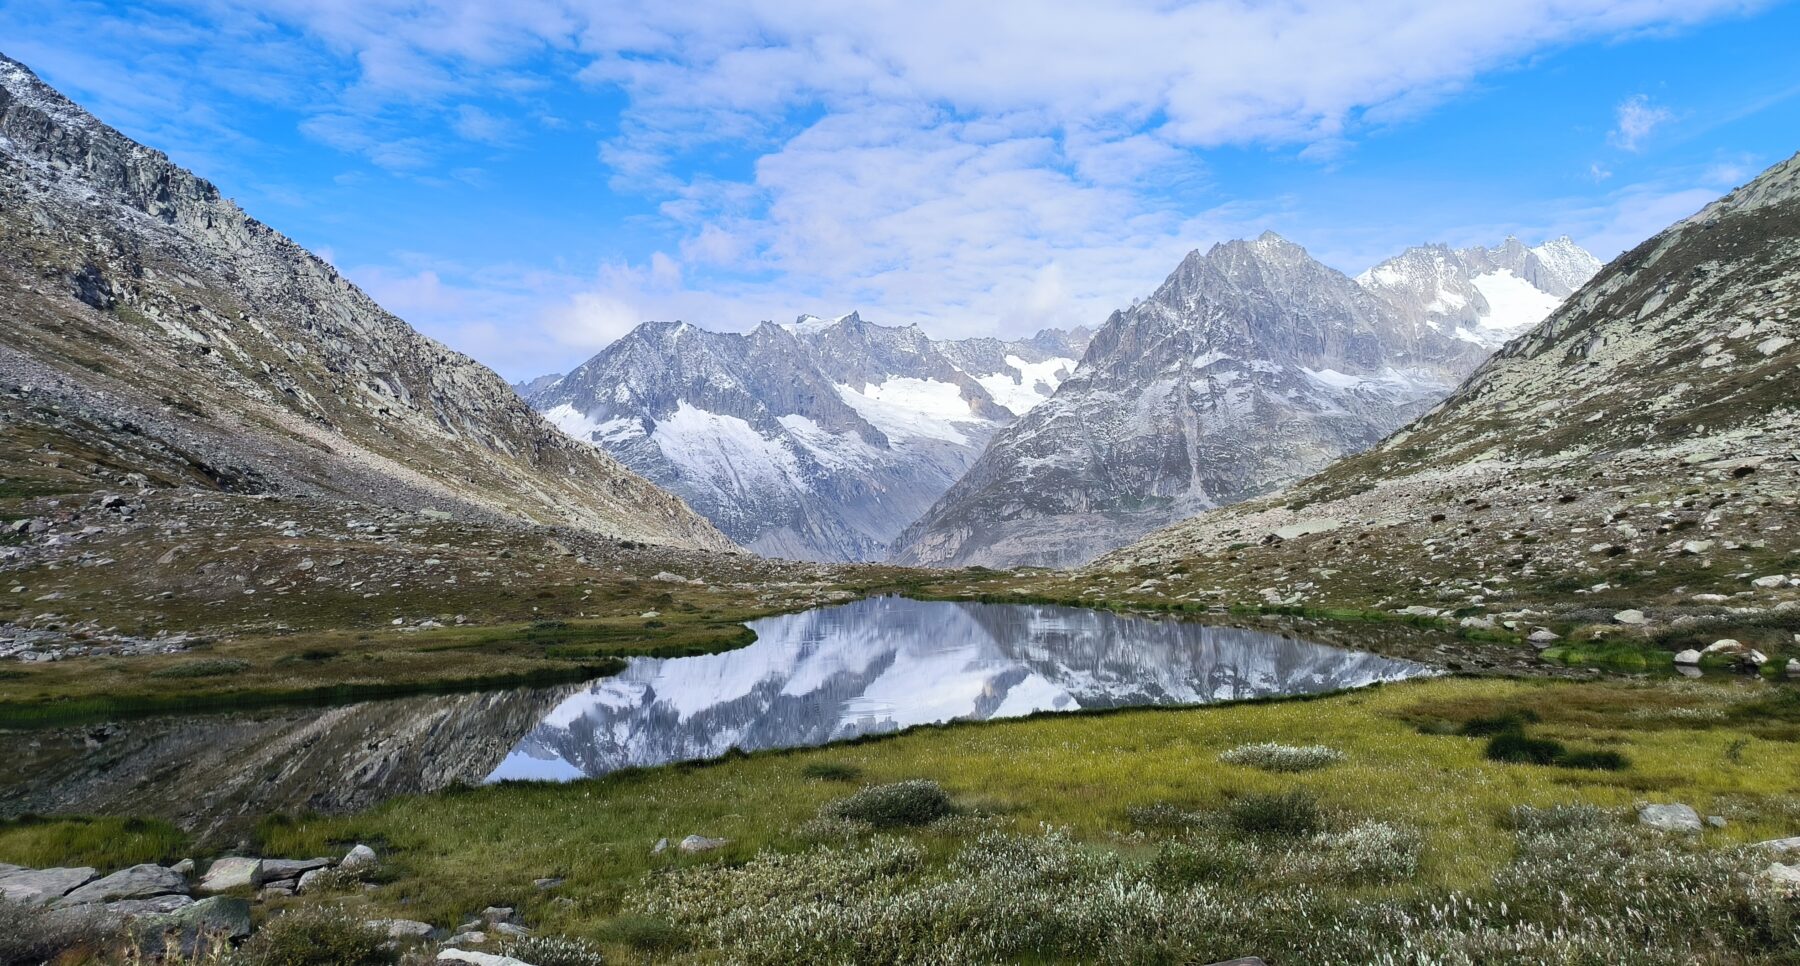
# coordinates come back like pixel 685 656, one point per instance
pixel 317 936
pixel 1516 746
pixel 210 668
pixel 554 951
pixel 1498 723
pixel 831 771
pixel 902 804
pixel 1276 757
pixel 1287 815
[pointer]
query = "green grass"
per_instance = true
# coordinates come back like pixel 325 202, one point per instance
pixel 454 853
pixel 103 843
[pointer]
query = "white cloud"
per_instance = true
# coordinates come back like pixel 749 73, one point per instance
pixel 1637 117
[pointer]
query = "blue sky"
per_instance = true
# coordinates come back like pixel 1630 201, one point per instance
pixel 527 180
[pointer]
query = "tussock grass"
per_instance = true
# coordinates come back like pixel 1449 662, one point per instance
pixel 105 843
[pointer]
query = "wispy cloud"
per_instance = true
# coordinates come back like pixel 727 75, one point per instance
pixel 1637 117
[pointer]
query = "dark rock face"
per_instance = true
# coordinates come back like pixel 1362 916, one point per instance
pixel 818 440
pixel 1252 365
pixel 154 324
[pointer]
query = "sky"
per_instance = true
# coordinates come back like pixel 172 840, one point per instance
pixel 526 181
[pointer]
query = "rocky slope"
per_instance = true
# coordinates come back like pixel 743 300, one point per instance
pixel 818 440
pixel 154 334
pixel 1484 295
pixel 1252 365
pixel 1637 446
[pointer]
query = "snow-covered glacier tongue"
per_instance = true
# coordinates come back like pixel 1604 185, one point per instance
pixel 885 664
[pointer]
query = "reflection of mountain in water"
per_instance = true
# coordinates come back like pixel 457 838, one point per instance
pixel 215 774
pixel 885 664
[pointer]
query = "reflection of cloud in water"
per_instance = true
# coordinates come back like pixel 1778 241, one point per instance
pixel 881 665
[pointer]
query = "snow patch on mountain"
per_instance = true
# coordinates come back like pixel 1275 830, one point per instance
pixel 907 408
pixel 1026 384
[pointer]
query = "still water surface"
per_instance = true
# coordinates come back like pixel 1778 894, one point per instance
pixel 824 675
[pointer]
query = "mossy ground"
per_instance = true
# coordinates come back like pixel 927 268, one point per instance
pixel 1729 747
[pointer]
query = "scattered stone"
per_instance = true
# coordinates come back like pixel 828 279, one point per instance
pixel 550 882
pixel 700 843
pixel 1770 582
pixel 472 937
pixel 132 908
pixel 478 959
pixel 1634 618
pixel 1696 547
pixel 39 886
pixel 360 857
pixel 1689 656
pixel 138 882
pixel 1670 818
pixel 1716 821
pixel 1724 645
pixel 232 872
pixel 1544 635
pixel 220 915
pixel 1783 878
pixel 1787 846
pixel 497 914
pixel 309 879
pixel 275 870
pixel 403 928
pixel 512 929
pixel 185 867
pixel 276 890
pixel 661 846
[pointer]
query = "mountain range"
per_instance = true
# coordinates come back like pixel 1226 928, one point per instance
pixel 816 440
pixel 1253 365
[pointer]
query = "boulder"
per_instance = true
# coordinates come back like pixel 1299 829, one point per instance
pixel 138 882
pixel 468 937
pixel 132 908
pixel 309 880
pixel 661 846
pixel 1787 846
pixel 512 929
pixel 232 872
pixel 275 870
pixel 404 928
pixel 40 886
pixel 1634 618
pixel 360 857
pixel 225 917
pixel 1544 636
pixel 1670 818
pixel 1770 582
pixel 700 843
pixel 497 914
pixel 1784 879
pixel 1689 656
pixel 1724 645
pixel 478 959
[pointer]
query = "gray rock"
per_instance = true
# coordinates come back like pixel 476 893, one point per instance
pixel 185 867
pixel 471 937
pixel 138 882
pixel 224 917
pixel 232 872
pixel 549 882
pixel 1633 618
pixel 131 908
pixel 661 846
pixel 1670 818
pixel 275 890
pixel 1783 878
pixel 360 857
pixel 403 929
pixel 512 929
pixel 309 880
pixel 700 843
pixel 39 886
pixel 275 870
pixel 477 959
pixel 1716 821
pixel 1787 846
pixel 1544 636
pixel 1689 656
pixel 498 914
